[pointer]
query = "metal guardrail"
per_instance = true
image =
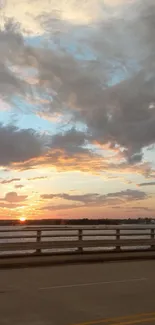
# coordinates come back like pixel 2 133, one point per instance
pixel 76 239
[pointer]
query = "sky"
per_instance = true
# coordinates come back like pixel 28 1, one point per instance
pixel 77 109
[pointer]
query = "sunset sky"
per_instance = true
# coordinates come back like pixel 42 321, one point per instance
pixel 77 108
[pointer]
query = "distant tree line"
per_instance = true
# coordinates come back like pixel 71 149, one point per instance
pixel 83 221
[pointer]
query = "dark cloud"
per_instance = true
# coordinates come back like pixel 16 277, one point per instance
pixel 11 48
pixel 9 84
pixel 71 141
pixel 13 197
pixel 8 181
pixel 71 150
pixel 66 157
pixel 111 95
pixel 18 145
pixel 122 114
pixel 146 184
pixel 25 149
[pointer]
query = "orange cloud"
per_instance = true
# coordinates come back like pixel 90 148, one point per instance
pixel 13 197
pixel 84 161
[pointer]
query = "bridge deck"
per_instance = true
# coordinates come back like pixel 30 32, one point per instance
pixel 79 294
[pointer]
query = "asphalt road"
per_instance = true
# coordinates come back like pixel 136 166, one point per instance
pixel 118 293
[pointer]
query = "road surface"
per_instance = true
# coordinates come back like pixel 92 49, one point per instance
pixel 118 293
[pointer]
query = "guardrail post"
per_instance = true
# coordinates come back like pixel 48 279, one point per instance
pixel 38 251
pixel 118 248
pixel 152 237
pixel 80 248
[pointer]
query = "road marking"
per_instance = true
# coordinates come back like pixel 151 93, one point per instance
pixel 136 321
pixel 92 284
pixel 125 320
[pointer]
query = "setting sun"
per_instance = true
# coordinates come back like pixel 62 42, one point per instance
pixel 22 219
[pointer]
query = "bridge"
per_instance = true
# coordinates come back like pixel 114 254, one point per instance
pixel 24 246
pixel 121 292
pixel 117 293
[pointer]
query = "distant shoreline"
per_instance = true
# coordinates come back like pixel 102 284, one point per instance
pixel 75 222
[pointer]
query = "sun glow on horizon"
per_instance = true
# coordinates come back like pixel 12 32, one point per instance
pixel 22 219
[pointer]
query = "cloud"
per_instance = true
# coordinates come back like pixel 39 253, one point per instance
pixel 18 145
pixel 19 186
pixel 85 198
pixel 93 199
pixel 8 181
pixel 71 141
pixel 84 160
pixel 30 15
pixel 61 207
pixel 9 84
pixel 111 95
pixel 119 114
pixel 10 205
pixel 13 197
pixel 146 184
pixel 129 195
pixel 26 149
pixel 11 45
pixel 122 115
pixel 37 178
pixel 64 151
pixel 71 150
pixel 141 208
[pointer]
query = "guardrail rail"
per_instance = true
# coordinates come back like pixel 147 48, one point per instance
pixel 76 240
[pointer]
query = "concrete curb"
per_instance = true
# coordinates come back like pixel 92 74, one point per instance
pixel 33 261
